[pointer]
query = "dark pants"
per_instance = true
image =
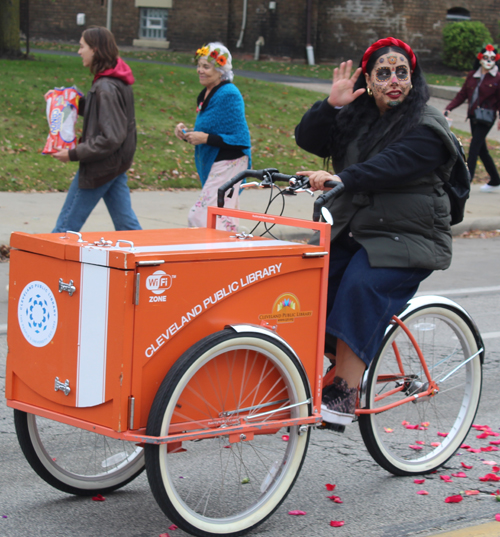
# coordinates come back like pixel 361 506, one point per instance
pixel 478 148
pixel 362 299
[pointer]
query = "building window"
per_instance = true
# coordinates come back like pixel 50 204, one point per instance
pixel 458 14
pixel 153 23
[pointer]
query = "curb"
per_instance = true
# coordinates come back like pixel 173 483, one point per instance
pixel 444 92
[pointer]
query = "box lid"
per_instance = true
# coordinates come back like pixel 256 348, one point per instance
pixel 125 249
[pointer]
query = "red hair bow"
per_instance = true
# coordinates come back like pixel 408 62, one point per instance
pixel 388 42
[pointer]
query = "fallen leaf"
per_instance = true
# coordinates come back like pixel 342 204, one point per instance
pixel 459 474
pixel 245 480
pixel 330 487
pixel 98 498
pixel 423 492
pixel 454 499
pixel 337 523
pixel 297 513
pixel 469 467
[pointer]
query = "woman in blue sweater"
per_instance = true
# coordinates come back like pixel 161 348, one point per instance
pixel 220 135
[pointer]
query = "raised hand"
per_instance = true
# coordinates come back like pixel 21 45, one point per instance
pixel 343 84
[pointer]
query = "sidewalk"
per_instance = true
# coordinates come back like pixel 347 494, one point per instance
pixel 35 212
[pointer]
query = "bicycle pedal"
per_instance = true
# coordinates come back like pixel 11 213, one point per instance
pixel 332 427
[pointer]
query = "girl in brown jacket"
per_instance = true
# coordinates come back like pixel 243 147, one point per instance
pixel 108 142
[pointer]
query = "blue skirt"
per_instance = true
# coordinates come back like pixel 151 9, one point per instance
pixel 362 299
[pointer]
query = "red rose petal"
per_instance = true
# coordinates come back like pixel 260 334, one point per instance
pixel 473 450
pixel 495 442
pixel 497 518
pixel 464 446
pixel 483 435
pixel 489 477
pixel 423 492
pixel 337 523
pixel 388 430
pixel 425 424
pixel 164 535
pixel 459 474
pixel 330 487
pixel 420 442
pixel 417 448
pixel 469 467
pixel 471 492
pixel 454 499
pixel 285 438
pixel 442 434
pixel 297 513
pixel 491 463
pixel 412 426
pixel 172 527
pixel 335 499
pixel 419 481
pixel 98 498
pixel 435 444
pixel 496 468
pixel 446 478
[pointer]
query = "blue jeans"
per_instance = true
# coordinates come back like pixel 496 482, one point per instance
pixel 80 202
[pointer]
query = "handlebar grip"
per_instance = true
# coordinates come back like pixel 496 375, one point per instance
pixel 256 174
pixel 326 197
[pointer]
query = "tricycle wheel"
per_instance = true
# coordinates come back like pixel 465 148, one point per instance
pixel 227 485
pixel 74 460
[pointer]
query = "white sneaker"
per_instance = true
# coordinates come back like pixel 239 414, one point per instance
pixel 490 188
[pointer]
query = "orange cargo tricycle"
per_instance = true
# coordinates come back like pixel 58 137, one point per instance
pixel 198 354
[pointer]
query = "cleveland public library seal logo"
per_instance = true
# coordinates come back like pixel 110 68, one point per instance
pixel 37 314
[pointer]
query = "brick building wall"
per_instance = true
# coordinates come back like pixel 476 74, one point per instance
pixel 339 28
pixel 56 19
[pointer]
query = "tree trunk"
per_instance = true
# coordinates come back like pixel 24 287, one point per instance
pixel 9 28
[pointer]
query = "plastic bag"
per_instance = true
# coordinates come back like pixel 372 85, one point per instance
pixel 62 113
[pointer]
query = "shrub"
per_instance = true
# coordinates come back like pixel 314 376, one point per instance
pixel 462 42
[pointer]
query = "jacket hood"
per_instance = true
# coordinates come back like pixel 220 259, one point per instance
pixel 121 71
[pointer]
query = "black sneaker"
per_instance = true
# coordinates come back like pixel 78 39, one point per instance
pixel 338 402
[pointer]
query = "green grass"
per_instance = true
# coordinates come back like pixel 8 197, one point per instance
pixel 164 95
pixel 322 71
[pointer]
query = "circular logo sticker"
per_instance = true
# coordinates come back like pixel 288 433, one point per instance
pixel 37 314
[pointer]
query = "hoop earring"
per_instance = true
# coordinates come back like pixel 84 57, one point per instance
pixel 369 91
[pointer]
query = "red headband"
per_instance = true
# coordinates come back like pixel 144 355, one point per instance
pixel 388 42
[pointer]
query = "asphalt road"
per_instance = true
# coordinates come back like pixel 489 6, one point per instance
pixel 375 503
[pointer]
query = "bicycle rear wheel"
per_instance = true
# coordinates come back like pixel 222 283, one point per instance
pixel 419 436
pixel 223 485
pixel 74 460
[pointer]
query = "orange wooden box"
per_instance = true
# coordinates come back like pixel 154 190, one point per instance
pixel 93 325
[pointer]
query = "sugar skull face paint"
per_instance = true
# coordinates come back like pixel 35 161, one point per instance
pixel 390 81
pixel 488 60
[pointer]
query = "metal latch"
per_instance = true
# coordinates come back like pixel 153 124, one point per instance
pixel 59 386
pixel 69 287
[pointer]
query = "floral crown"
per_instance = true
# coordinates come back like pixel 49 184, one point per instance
pixel 214 56
pixel 489 48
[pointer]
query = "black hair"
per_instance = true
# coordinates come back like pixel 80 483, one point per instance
pixel 477 63
pixel 389 127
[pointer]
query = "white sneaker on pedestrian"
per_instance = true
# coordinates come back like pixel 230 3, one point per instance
pixel 490 188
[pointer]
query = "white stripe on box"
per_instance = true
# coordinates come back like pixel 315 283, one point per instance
pixel 92 335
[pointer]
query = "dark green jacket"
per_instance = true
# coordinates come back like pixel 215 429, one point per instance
pixel 401 227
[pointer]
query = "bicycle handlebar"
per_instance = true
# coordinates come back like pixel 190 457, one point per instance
pixel 269 175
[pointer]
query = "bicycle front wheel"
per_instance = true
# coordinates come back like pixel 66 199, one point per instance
pixel 74 460
pixel 227 485
pixel 420 436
